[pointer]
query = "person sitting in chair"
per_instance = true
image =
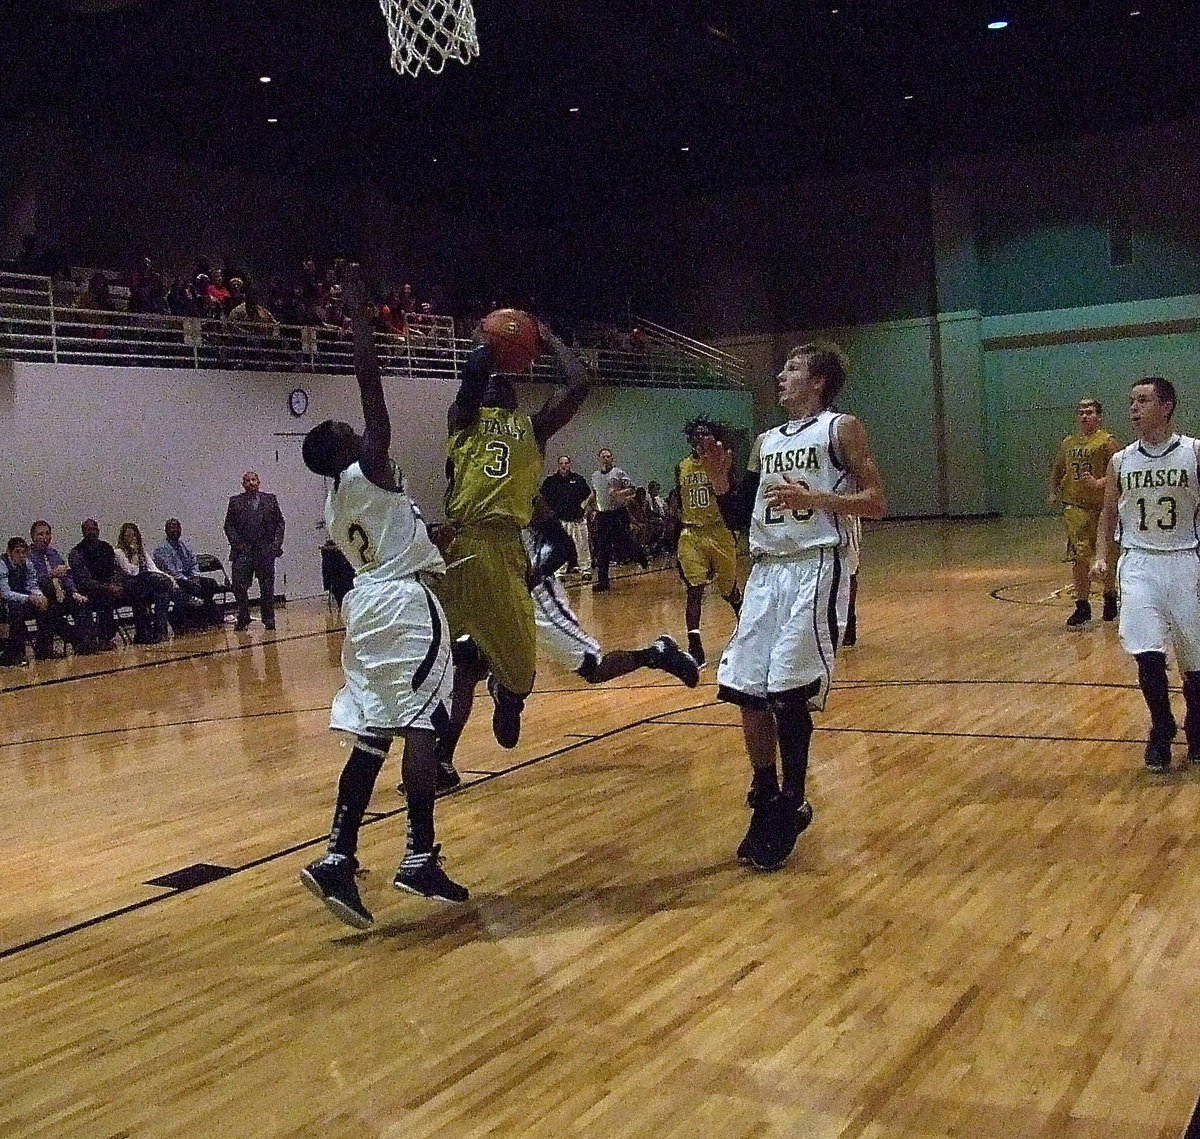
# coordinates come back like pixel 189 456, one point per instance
pixel 195 605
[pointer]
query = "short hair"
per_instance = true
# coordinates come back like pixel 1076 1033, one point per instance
pixel 1164 389
pixel 714 427
pixel 40 522
pixel 1090 401
pixel 827 360
pixel 17 544
pixel 320 450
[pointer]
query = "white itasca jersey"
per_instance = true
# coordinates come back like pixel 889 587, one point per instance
pixel 1159 499
pixel 803 451
pixel 380 531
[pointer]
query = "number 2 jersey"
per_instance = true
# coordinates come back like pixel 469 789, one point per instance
pixel 1159 499
pixel 380 531
pixel 803 451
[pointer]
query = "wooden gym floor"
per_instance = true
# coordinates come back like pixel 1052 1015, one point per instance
pixel 991 929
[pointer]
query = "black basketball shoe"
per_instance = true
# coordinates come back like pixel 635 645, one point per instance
pixel 669 657
pixel 423 874
pixel 1081 616
pixel 1158 748
pixel 775 825
pixel 506 716
pixel 332 880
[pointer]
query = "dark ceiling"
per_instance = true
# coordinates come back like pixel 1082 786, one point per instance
pixel 757 91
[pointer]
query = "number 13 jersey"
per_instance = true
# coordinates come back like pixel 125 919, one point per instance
pixel 802 451
pixel 1158 500
pixel 380 531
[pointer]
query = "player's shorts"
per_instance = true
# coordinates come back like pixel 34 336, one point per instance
pixel 1160 604
pixel 1081 523
pixel 559 634
pixel 708 551
pixel 487 598
pixel 792 618
pixel 396 658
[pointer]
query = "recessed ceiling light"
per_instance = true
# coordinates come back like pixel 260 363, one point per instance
pixel 907 98
pixel 264 79
pixel 997 25
pixel 573 110
pixel 272 120
pixel 685 149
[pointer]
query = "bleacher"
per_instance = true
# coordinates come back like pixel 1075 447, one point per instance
pixel 39 323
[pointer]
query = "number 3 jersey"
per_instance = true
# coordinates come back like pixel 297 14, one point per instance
pixel 1159 499
pixel 380 531
pixel 494 466
pixel 802 451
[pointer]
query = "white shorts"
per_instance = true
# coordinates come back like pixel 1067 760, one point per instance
pixel 1160 604
pixel 559 634
pixel 792 619
pixel 396 658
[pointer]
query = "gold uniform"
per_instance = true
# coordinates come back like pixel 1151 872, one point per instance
pixel 1082 456
pixel 706 545
pixel 494 465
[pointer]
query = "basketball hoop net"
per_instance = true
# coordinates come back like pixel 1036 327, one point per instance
pixel 426 33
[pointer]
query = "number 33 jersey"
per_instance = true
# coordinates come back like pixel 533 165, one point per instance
pixel 800 451
pixel 1158 495
pixel 380 531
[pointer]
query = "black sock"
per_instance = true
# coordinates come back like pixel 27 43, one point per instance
pixel 419 771
pixel 354 793
pixel 1191 721
pixel 1152 680
pixel 766 780
pixel 794 725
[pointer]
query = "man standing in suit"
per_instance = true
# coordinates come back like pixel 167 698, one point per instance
pixel 254 527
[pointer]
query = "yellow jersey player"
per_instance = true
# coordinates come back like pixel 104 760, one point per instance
pixel 494 461
pixel 1077 482
pixel 706 550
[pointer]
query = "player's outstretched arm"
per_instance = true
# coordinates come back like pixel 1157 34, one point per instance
pixel 735 497
pixel 377 432
pixel 561 407
pixel 472 388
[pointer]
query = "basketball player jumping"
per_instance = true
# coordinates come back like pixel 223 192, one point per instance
pixel 495 456
pixel 1152 498
pixel 706 545
pixel 805 479
pixel 396 655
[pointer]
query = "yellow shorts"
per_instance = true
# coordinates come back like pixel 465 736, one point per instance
pixel 487 598
pixel 708 551
pixel 1081 525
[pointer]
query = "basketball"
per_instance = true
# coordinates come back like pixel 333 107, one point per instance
pixel 513 337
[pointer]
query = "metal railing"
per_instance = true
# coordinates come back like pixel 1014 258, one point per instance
pixel 36 327
pixel 723 364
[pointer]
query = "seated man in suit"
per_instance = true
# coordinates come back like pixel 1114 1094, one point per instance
pixel 254 527
pixel 194 606
pixel 68 613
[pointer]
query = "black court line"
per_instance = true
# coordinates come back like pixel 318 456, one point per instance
pixel 50 680
pixel 295 848
pixel 914 732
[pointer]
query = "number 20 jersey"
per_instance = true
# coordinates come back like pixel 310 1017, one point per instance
pixel 380 531
pixel 802 451
pixel 1159 498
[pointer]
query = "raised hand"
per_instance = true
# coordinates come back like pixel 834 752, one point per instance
pixel 717 461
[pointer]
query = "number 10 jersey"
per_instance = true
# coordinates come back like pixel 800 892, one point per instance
pixel 1159 498
pixel 802 451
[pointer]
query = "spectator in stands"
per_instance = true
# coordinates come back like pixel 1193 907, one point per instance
pixel 68 614
pixel 196 592
pixel 182 300
pixel 22 600
pixel 204 304
pixel 94 569
pixel 147 292
pixel 665 510
pixel 217 292
pixel 408 299
pixel 237 295
pixel 334 316
pixel 97 295
pixel 147 587
pixel 564 493
pixel 391 315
